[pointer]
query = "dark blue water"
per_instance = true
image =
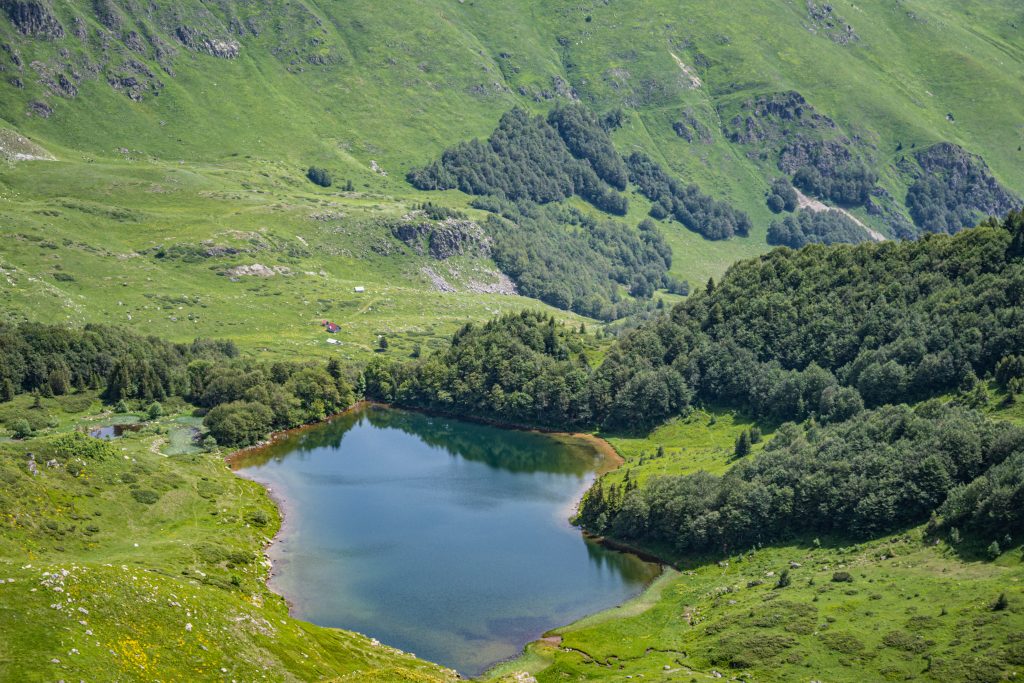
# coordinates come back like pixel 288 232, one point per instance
pixel 443 538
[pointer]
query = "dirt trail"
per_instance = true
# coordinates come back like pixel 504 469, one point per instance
pixel 805 202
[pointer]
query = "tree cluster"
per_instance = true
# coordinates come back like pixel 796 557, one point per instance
pixel 846 184
pixel 879 472
pixel 53 360
pixel 953 189
pixel 536 159
pixel 815 333
pixel 708 217
pixel 521 368
pixel 815 227
pixel 243 399
pixel 781 196
pixel 319 176
pixel 576 262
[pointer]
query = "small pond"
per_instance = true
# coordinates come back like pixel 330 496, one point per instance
pixel 115 431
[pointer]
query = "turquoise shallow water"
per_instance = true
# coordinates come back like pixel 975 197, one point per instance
pixel 443 538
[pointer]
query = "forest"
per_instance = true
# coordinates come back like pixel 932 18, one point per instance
pixel 834 337
pixel 820 332
pixel 879 472
pixel 708 217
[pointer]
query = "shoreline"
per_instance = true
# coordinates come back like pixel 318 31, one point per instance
pixel 233 458
pixel 609 457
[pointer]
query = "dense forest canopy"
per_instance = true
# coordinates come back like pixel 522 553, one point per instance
pixel 819 332
pixel 815 227
pixel 879 472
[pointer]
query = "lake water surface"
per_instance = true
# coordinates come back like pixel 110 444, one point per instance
pixel 440 537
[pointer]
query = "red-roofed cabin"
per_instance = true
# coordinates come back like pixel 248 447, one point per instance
pixel 332 328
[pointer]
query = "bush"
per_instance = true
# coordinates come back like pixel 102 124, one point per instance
pixel 319 176
pixel 155 410
pixel 842 577
pixel 145 496
pixel 21 429
pixel 76 444
pixel 257 518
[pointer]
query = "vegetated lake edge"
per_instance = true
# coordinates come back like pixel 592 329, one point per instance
pixel 609 460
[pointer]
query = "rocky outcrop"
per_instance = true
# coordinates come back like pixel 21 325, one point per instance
pixel 108 14
pixel 691 129
pixel 40 109
pixel 196 40
pixel 33 18
pixel 135 80
pixel 258 270
pixel 443 239
pixel 826 155
pixel 824 20
pixel 771 117
pixel 953 189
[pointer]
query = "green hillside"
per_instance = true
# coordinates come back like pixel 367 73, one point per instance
pixel 184 122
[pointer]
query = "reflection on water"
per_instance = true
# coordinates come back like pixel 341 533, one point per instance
pixel 113 431
pixel 444 538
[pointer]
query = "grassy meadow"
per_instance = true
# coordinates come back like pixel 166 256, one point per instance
pixel 141 558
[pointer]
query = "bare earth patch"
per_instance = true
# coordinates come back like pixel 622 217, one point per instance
pixel 806 202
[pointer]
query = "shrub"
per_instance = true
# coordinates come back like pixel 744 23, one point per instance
pixel 21 429
pixel 155 410
pixel 319 176
pixel 257 518
pixel 842 577
pixel 145 496
pixel 76 444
